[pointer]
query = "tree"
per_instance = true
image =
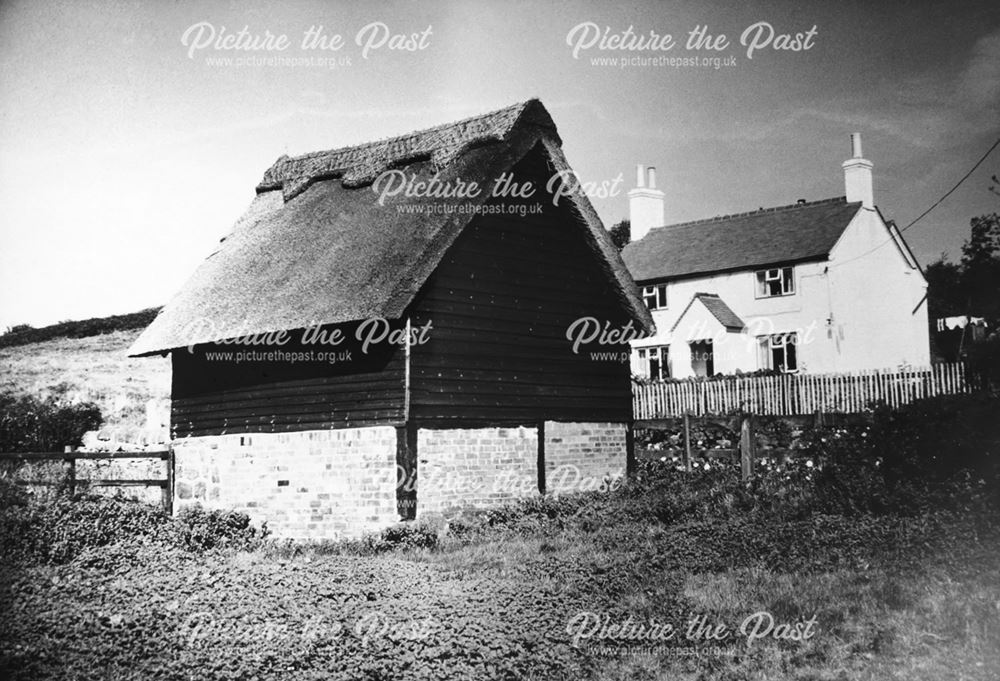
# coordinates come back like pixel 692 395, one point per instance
pixel 946 295
pixel 621 234
pixel 981 267
pixel 971 286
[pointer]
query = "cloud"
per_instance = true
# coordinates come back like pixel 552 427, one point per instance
pixel 979 84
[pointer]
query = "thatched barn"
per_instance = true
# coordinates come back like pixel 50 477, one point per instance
pixel 349 357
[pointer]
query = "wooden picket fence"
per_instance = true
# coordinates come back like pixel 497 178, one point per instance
pixel 797 394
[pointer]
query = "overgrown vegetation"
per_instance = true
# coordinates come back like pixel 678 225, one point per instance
pixel 646 380
pixel 971 287
pixel 61 529
pixel 31 424
pixel 886 534
pixel 23 334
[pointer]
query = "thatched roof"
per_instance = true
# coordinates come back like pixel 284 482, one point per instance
pixel 316 246
pixel 786 234
pixel 359 165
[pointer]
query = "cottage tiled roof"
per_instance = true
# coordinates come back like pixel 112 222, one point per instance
pixel 316 248
pixel 717 307
pixel 795 233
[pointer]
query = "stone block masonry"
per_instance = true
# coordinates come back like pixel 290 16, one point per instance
pixel 320 484
pixel 331 484
pixel 583 457
pixel 485 467
pixel 478 467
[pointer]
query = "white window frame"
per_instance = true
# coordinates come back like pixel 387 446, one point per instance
pixel 784 275
pixel 766 345
pixel 655 294
pixel 646 355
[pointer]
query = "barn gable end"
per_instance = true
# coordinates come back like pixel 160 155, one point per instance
pixel 494 402
pixel 501 301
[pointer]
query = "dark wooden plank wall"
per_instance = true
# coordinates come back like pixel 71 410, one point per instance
pixel 212 397
pixel 500 304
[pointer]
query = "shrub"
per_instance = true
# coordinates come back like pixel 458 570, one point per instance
pixel 23 334
pixel 836 471
pixel 11 494
pixel 540 508
pixel 31 424
pixel 61 529
pixel 938 437
pixel 58 530
pixel 646 380
pixel 196 529
pixel 405 535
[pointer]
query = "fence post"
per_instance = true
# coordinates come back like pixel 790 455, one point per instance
pixel 687 442
pixel 168 492
pixel 71 470
pixel 629 453
pixel 747 447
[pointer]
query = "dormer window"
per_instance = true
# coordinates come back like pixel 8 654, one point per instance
pixel 655 297
pixel 775 282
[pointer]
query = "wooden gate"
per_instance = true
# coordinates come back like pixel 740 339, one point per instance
pixel 69 475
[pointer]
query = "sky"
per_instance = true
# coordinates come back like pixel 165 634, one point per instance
pixel 129 145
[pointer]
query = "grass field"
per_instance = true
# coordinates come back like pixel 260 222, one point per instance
pixel 553 589
pixel 838 571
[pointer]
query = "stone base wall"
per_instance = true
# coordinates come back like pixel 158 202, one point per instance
pixel 331 484
pixel 583 457
pixel 474 467
pixel 323 484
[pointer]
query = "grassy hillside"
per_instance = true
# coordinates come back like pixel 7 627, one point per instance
pixel 94 368
pixel 24 334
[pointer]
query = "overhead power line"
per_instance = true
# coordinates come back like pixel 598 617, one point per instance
pixel 924 214
pixel 957 185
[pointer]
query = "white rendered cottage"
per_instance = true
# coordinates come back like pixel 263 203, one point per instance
pixel 819 287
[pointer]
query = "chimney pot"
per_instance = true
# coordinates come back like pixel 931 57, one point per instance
pixel 645 203
pixel 856 145
pixel 858 176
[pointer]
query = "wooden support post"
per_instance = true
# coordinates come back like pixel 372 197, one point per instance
pixel 541 455
pixel 748 447
pixel 71 475
pixel 630 450
pixel 819 421
pixel 406 471
pixel 168 490
pixel 687 442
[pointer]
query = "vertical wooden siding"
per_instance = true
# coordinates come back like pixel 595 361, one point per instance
pixel 500 304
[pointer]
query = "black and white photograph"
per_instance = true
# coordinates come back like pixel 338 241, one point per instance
pixel 654 340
